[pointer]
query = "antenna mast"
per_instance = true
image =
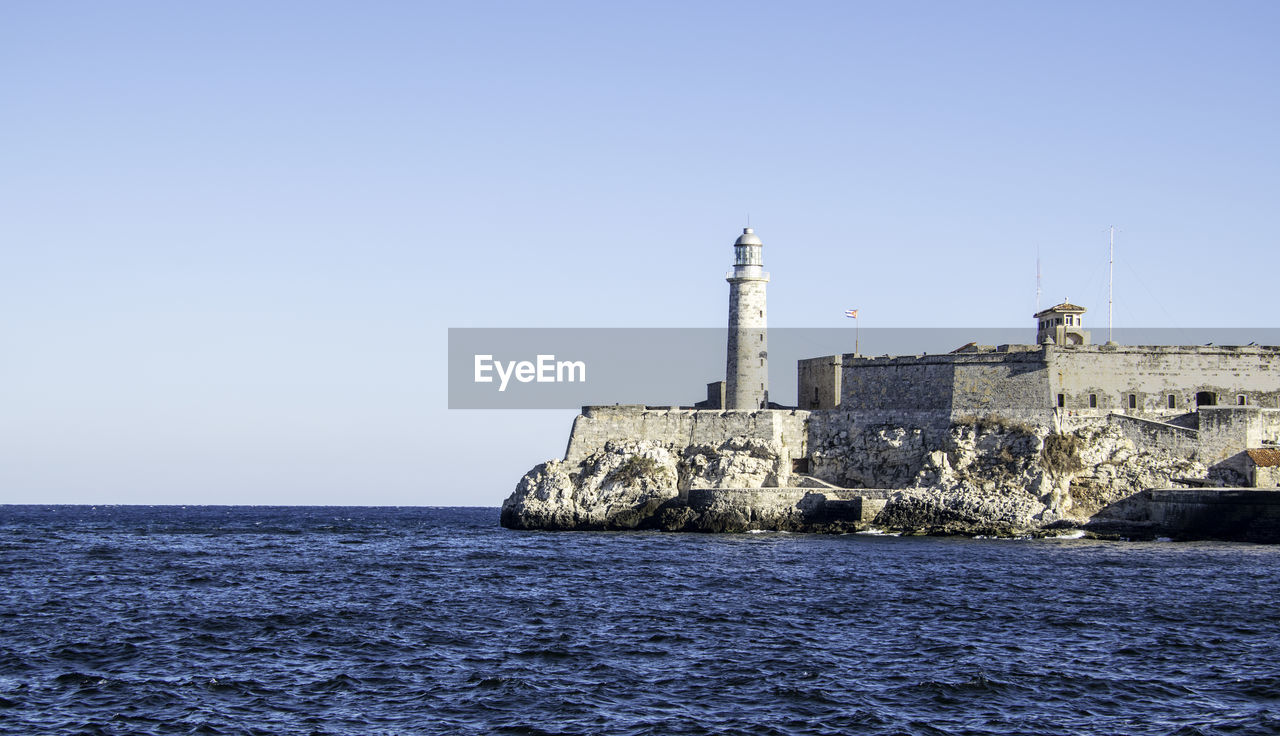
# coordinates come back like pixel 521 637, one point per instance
pixel 1111 273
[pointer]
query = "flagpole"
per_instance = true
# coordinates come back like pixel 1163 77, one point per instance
pixel 854 314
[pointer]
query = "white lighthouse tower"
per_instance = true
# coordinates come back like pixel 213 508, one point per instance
pixel 747 374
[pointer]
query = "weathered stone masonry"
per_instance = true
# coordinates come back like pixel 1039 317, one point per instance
pixel 1038 382
pixel 598 425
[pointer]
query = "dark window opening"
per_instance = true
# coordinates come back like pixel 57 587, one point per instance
pixel 1062 400
pixel 1173 401
pixel 1206 398
pixel 1093 401
pixel 1242 400
pixel 1133 401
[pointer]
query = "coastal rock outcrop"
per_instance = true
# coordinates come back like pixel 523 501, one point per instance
pixel 738 462
pixel 1005 477
pixel 976 476
pixel 618 487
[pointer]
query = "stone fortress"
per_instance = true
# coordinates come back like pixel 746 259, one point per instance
pixel 1214 402
pixel 1062 432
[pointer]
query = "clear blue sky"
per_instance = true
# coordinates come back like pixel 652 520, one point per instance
pixel 233 234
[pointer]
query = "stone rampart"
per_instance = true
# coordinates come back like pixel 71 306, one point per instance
pixel 818 381
pixel 1007 380
pixel 761 508
pixel 1269 427
pixel 1227 431
pixel 1156 381
pixel 701 499
pixel 912 383
pixel 1155 434
pixel 1148 381
pixel 1201 513
pixel 598 425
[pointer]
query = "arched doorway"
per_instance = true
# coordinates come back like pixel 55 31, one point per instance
pixel 1206 398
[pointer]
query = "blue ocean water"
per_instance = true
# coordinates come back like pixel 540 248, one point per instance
pixel 254 620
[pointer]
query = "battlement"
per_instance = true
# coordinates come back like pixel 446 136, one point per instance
pixel 1153 381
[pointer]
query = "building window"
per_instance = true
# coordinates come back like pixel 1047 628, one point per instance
pixel 1069 319
pixel 1173 401
pixel 1062 400
pixel 1093 401
pixel 1133 401
pixel 1242 400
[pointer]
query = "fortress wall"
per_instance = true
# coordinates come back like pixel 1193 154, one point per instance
pixel 1009 383
pixel 1226 431
pixel 1152 434
pixel 703 499
pixel 1244 515
pixel 598 425
pixel 1025 380
pixel 1001 384
pixel 1269 428
pixel 818 382
pixel 759 507
pixel 910 383
pixel 1152 373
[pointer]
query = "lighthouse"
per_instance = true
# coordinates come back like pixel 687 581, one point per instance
pixel 747 372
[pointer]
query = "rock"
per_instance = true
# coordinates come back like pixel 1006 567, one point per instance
pixel 619 487
pixel 881 456
pixel 738 462
pixel 978 477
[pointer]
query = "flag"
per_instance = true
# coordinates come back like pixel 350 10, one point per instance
pixel 851 313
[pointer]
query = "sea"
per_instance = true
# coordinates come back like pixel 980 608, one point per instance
pixel 331 620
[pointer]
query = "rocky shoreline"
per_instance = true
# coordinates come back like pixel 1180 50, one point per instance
pixel 981 476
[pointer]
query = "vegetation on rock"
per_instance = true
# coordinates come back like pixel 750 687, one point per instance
pixel 633 469
pixel 1061 454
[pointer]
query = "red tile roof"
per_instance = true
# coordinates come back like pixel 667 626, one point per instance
pixel 1265 458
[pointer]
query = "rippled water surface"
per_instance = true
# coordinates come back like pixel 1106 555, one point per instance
pixel 251 620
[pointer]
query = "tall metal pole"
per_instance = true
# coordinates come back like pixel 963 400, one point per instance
pixel 856 327
pixel 1111 273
